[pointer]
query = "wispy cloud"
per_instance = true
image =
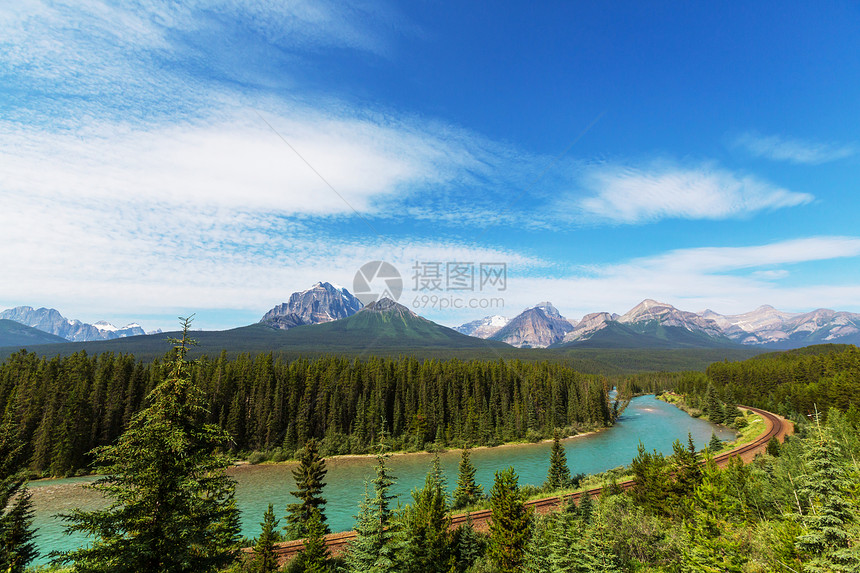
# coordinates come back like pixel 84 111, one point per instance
pixel 725 279
pixel 779 148
pixel 159 61
pixel 663 190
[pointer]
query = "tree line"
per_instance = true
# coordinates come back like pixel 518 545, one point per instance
pixel 63 408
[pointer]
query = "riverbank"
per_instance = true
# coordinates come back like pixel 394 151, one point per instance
pixel 442 450
pixel 753 426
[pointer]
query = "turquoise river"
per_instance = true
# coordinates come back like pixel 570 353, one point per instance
pixel 651 421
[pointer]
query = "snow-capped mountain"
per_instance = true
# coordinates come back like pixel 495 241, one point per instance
pixel 536 327
pixel 767 325
pixel 483 327
pixel 763 326
pixel 50 320
pixel 323 302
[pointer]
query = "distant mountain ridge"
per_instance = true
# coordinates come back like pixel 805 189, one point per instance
pixel 652 324
pixel 323 302
pixel 51 321
pixel 16 334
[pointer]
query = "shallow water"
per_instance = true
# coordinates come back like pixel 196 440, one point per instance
pixel 653 422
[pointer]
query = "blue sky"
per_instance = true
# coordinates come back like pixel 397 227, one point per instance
pixel 159 159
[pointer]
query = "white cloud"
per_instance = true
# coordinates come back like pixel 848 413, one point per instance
pixel 780 148
pixel 234 162
pixel 664 191
pixel 725 279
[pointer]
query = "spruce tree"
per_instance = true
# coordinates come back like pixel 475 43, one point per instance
pixel 827 539
pixel 509 526
pixel 468 545
pixel 265 560
pixel 425 526
pixel 315 556
pixel 309 476
pixel 586 508
pixel 374 549
pixel 467 491
pixel 558 476
pixel 17 548
pixel 715 445
pixel 171 507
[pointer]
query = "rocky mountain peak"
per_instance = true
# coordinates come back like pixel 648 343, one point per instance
pixel 323 302
pixel 536 327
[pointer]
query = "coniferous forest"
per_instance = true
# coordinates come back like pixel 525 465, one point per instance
pixel 62 408
pixel 795 508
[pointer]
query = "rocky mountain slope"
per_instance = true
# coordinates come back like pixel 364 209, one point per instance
pixel 765 326
pixel 536 327
pixel 652 324
pixel 323 302
pixel 51 321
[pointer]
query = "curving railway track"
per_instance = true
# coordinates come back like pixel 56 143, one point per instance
pixel 775 426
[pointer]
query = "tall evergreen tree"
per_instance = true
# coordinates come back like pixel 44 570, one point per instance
pixel 713 407
pixel 265 560
pixel 17 548
pixel 558 476
pixel 309 476
pixel 468 545
pixel 509 527
pixel 315 555
pixel 425 527
pixel 716 444
pixel 467 491
pixel 651 480
pixel 172 507
pixel 827 539
pixel 374 549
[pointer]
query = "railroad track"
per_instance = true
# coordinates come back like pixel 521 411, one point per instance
pixel 775 426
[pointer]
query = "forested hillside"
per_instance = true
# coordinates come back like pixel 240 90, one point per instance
pixel 795 381
pixel 63 407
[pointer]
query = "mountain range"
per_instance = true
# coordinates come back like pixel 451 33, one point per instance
pixel 328 318
pixel 652 324
pixel 51 321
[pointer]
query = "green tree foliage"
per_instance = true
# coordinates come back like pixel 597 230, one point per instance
pixel 309 476
pixel 558 476
pixel 65 407
pixel 375 548
pixel 651 488
pixel 467 492
pixel 795 381
pixel 688 470
pixel 716 444
pixel 315 556
pixel 425 525
pixel 830 515
pixel 773 447
pixel 17 548
pixel 468 545
pixel 171 507
pixel 509 526
pixel 265 560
